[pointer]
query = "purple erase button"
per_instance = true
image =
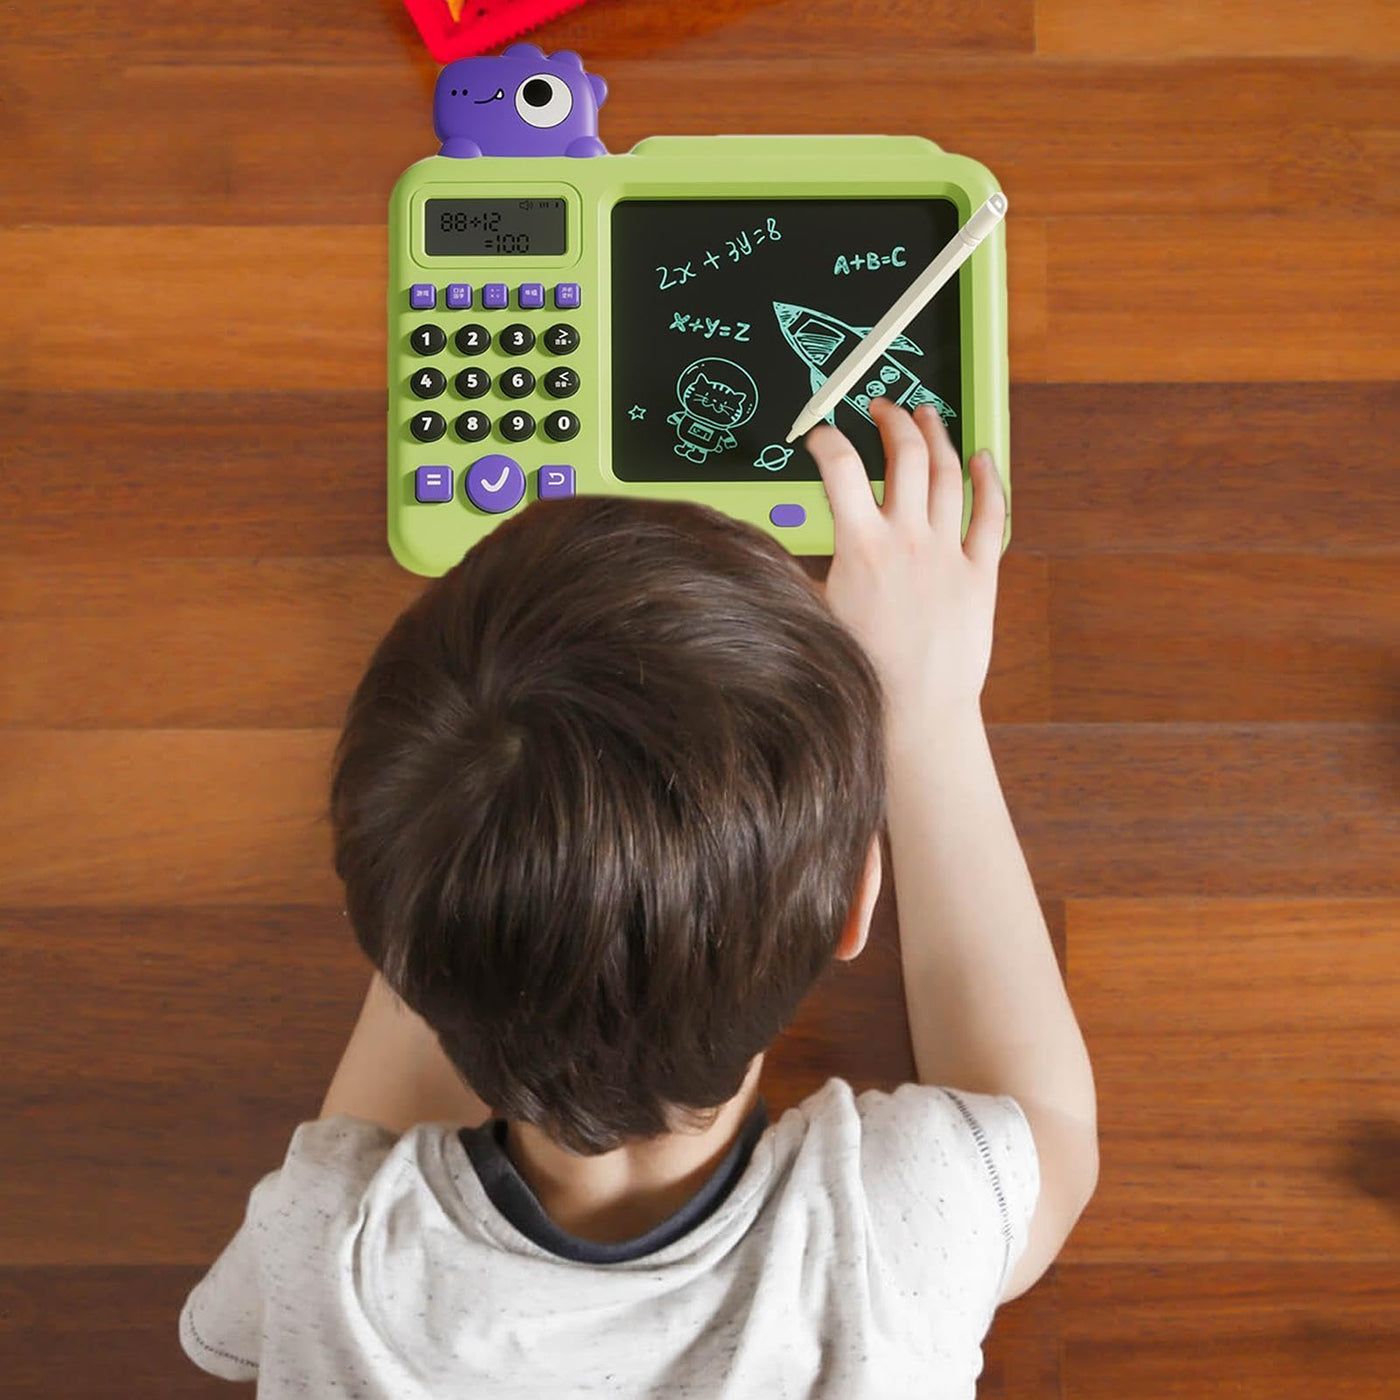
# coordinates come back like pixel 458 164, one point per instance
pixel 556 482
pixel 787 515
pixel 422 296
pixel 495 483
pixel 459 296
pixel 566 296
pixel 432 484
pixel 531 295
pixel 495 295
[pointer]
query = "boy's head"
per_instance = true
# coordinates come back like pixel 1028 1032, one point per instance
pixel 601 806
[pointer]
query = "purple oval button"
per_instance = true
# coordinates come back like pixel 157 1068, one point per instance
pixel 787 515
pixel 495 483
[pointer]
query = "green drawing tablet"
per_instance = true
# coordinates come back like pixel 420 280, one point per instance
pixel 652 323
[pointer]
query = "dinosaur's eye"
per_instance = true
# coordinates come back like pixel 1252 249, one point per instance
pixel 544 100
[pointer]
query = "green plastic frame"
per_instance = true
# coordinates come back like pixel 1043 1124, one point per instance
pixel 429 539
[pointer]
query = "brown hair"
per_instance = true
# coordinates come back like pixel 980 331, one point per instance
pixel 601 806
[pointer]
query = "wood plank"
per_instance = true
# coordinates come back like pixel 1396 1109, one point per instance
pixel 1243 298
pixel 786 29
pixel 1278 1332
pixel 1224 637
pixel 154 141
pixel 322 33
pixel 1248 1077
pixel 1285 1330
pixel 110 1330
pixel 1153 468
pixel 280 643
pixel 1021 1352
pixel 258 32
pixel 215 1030
pixel 301 308
pixel 305 307
pixel 1165 30
pixel 1288 809
pixel 1122 468
pixel 150 1006
pixel 121 1320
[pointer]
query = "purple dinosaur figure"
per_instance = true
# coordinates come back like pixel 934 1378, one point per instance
pixel 519 103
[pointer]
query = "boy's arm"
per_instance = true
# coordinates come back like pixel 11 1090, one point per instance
pixel 988 1010
pixel 394 1073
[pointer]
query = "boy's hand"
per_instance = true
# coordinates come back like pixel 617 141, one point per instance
pixel 918 600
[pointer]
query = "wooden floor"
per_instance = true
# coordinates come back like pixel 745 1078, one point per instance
pixel 1195 693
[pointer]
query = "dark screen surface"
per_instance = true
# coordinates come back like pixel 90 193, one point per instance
pixel 728 314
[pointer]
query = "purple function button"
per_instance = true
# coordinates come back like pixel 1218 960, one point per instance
pixel 459 296
pixel 495 483
pixel 566 296
pixel 432 484
pixel 556 482
pixel 495 296
pixel 422 296
pixel 531 295
pixel 787 515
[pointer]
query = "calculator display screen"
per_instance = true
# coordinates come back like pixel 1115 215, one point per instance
pixel 494 227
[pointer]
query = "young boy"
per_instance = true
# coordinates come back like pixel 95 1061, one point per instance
pixel 607 803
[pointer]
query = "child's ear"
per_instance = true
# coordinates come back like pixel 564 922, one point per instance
pixel 857 928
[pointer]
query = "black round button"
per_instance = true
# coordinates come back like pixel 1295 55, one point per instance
pixel 517 425
pixel 472 426
pixel 427 427
pixel 472 382
pixel 472 339
pixel 428 383
pixel 517 339
pixel 428 339
pixel 516 383
pixel 561 426
pixel 561 338
pixel 559 383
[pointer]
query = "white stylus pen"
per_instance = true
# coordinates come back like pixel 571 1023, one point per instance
pixel 916 297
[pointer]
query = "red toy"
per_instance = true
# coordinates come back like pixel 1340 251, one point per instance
pixel 459 28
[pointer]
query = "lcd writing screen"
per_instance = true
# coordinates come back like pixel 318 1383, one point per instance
pixel 727 315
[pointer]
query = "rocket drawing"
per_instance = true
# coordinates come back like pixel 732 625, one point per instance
pixel 821 340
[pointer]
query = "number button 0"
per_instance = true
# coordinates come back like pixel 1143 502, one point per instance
pixel 561 426
pixel 517 382
pixel 472 425
pixel 473 382
pixel 561 339
pixel 428 383
pixel 517 339
pixel 517 426
pixel 428 339
pixel 472 339
pixel 560 382
pixel 428 427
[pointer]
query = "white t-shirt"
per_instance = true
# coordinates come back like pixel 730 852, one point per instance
pixel 856 1248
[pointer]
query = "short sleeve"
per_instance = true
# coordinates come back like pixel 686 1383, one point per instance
pixel 221 1323
pixel 959 1168
pixel 279 1253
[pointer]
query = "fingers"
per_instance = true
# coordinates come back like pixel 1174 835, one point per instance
pixel 988 524
pixel 853 506
pixel 923 480
pixel 906 463
pixel 945 509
